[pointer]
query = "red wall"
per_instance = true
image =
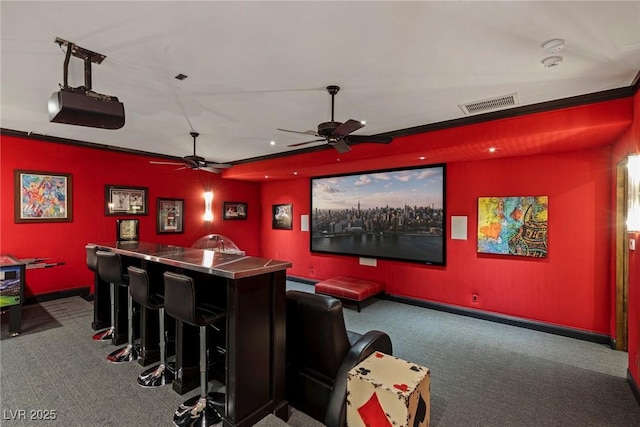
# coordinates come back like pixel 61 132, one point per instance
pixel 572 287
pixel 91 169
pixel 630 144
pixel 569 288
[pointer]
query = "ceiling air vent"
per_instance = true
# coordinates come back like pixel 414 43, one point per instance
pixel 491 104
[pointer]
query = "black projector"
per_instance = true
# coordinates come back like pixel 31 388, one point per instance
pixel 86 108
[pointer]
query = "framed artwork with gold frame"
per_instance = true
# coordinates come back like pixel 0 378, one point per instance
pixel 127 230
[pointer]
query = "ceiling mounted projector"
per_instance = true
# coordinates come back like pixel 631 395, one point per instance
pixel 77 107
pixel 81 106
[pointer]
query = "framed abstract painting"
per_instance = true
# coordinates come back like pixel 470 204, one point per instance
pixel 42 197
pixel 513 225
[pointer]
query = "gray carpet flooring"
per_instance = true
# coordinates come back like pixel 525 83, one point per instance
pixel 482 373
pixel 489 374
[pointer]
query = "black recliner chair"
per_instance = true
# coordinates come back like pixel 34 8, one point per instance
pixel 320 352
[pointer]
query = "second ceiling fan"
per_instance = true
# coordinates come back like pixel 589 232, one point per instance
pixel 196 162
pixel 337 134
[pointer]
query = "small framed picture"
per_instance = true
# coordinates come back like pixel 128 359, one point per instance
pixel 234 210
pixel 121 200
pixel 127 230
pixel 282 216
pixel 170 216
pixel 42 197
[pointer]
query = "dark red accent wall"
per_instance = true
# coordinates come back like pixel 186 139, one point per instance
pixel 91 169
pixel 570 287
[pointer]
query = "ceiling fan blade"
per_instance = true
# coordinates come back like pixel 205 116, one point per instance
pixel 305 143
pixel 165 163
pixel 347 127
pixel 210 169
pixel 307 132
pixel 340 146
pixel 369 139
pixel 216 165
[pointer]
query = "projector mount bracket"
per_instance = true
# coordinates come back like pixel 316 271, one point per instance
pixel 85 54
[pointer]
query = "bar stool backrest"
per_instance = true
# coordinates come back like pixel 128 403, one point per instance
pixel 139 287
pixel 110 267
pixel 92 258
pixel 180 298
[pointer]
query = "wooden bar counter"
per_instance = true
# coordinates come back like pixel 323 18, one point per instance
pixel 253 292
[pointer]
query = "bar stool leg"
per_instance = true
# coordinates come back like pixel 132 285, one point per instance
pixel 160 375
pixel 107 335
pixel 129 352
pixel 199 410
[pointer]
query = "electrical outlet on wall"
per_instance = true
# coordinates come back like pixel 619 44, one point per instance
pixel 371 262
pixel 632 244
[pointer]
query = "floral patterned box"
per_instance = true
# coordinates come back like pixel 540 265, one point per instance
pixel 387 391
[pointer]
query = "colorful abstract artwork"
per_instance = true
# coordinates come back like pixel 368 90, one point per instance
pixel 42 196
pixel 513 225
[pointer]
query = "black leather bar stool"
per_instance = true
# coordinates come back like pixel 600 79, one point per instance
pixel 140 291
pixel 180 303
pixel 92 263
pixel 110 270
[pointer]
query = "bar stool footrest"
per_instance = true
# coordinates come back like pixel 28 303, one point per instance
pixel 106 335
pixel 197 411
pixel 124 354
pixel 156 376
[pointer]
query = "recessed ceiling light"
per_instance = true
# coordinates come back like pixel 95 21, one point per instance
pixel 272 143
pixel 266 176
pixel 364 122
pixel 551 61
pixel 422 157
pixel 295 173
pixel 492 149
pixel 553 45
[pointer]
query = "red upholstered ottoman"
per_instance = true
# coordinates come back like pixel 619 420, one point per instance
pixel 349 288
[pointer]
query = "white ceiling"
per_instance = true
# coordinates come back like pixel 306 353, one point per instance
pixel 253 67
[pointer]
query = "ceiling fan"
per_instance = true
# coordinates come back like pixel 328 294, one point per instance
pixel 196 162
pixel 337 134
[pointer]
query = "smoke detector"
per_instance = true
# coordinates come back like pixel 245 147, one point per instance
pixel 553 45
pixel 551 61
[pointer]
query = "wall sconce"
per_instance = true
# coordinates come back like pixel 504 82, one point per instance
pixel 208 199
pixel 633 183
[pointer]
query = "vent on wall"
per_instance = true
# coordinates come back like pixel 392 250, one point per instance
pixel 490 104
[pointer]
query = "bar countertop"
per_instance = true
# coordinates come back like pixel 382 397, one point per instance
pixel 203 260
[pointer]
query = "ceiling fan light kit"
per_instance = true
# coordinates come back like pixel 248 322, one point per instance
pixel 337 134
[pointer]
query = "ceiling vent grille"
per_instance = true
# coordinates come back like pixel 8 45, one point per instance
pixel 491 104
